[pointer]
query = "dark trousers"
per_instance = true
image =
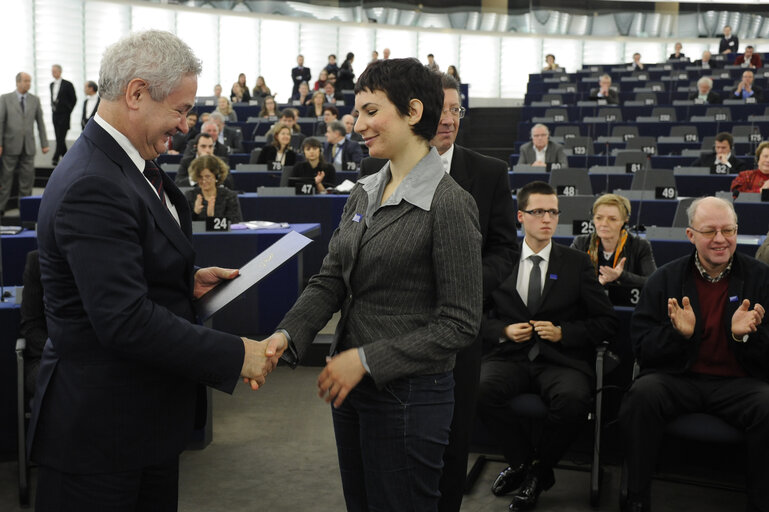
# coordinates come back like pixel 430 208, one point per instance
pixel 149 489
pixel 566 391
pixel 657 398
pixel 390 443
pixel 60 129
pixel 467 373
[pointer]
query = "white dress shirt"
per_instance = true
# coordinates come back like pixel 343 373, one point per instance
pixel 525 266
pixel 90 104
pixel 446 158
pixel 56 87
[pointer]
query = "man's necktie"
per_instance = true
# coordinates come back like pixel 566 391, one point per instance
pixel 22 104
pixel 535 284
pixel 152 172
pixel 334 151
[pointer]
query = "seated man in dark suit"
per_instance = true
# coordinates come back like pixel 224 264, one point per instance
pixel 604 94
pixel 204 145
pixel 747 91
pixel 343 154
pixel 706 62
pixel 331 95
pixel 704 93
pixel 33 326
pixel 229 136
pixel 541 330
pixel 700 338
pixel 749 59
pixel 330 114
pixel 722 156
pixel 211 128
pixel 541 150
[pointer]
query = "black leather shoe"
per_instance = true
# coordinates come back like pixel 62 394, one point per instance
pixel 526 498
pixel 509 480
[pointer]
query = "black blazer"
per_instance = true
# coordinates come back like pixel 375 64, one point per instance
pixel 84 119
pixel 305 170
pixel 351 152
pixel 33 326
pixel 63 104
pixel 709 160
pixel 611 99
pixel 639 262
pixel 226 205
pixel 299 75
pixel 758 94
pixel 270 152
pixel 486 179
pixel 713 98
pixel 733 44
pixel 572 299
pixel 714 64
pixel 120 373
pixel 233 139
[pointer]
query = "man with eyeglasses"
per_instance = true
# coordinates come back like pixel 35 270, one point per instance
pixel 701 342
pixel 540 334
pixel 542 151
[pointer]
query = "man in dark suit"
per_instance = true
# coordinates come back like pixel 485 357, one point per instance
pixel 604 94
pixel 33 327
pixel 746 90
pixel 122 369
pixel 90 104
pixel 722 156
pixel 704 93
pixel 343 154
pixel 541 330
pixel 300 74
pixel 204 144
pixel 729 43
pixel 542 151
pixel 706 62
pixel 212 129
pixel 63 99
pixel 19 111
pixel 229 136
pixel 332 95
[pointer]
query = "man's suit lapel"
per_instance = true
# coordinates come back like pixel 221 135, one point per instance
pixel 552 272
pixel 458 169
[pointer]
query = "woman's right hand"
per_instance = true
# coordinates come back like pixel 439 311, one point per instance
pixel 198 207
pixel 320 175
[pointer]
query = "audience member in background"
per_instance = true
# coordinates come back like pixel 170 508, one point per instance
pixel 374 56
pixel 204 144
pixel 385 54
pixel 704 93
pixel 619 257
pixel 209 198
pixel 636 65
pixel 331 95
pixel 349 125
pixel 749 59
pixel 303 95
pixel 269 108
pixel 91 102
pixel 331 66
pixel 729 42
pixel 604 92
pixel 224 107
pixel 316 107
pixel 330 114
pixel 217 90
pixel 19 111
pixel 543 324
pixel 33 326
pixel 230 136
pixel 706 62
pixel 431 64
pixel 321 81
pixel 762 254
pixel 240 92
pixel 332 79
pixel 541 150
pixel 288 117
pixel 700 338
pixel 346 75
pixel 677 53
pixel 179 140
pixel 550 64
pixel 722 155
pixel 755 180
pixel 344 154
pixel 204 117
pixel 453 73
pixel 261 91
pixel 299 74
pixel 279 151
pixel 746 90
pixel 314 166
pixel 63 100
pixel 411 302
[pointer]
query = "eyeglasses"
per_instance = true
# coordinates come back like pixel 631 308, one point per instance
pixel 455 111
pixel 207 177
pixel 540 212
pixel 711 233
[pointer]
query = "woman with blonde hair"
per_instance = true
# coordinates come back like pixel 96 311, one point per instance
pixel 261 91
pixel 619 257
pixel 224 107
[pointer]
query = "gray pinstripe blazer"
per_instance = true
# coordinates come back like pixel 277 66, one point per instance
pixel 409 286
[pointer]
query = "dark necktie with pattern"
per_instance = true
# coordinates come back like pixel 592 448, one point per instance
pixel 22 104
pixel 534 296
pixel 152 172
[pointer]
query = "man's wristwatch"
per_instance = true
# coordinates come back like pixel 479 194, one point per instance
pixel 740 339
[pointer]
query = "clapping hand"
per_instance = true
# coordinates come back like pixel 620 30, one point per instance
pixel 682 317
pixel 745 320
pixel 607 274
pixel 342 373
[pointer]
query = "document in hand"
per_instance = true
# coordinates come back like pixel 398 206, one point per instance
pixel 250 274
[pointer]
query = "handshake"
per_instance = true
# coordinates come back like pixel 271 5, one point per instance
pixel 261 357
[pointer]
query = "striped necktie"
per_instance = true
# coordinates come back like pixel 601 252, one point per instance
pixel 152 173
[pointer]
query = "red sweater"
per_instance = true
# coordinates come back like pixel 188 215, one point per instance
pixel 749 181
pixel 715 355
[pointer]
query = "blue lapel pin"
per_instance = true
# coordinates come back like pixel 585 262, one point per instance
pixel 356 218
pixel 733 298
pixel 554 277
